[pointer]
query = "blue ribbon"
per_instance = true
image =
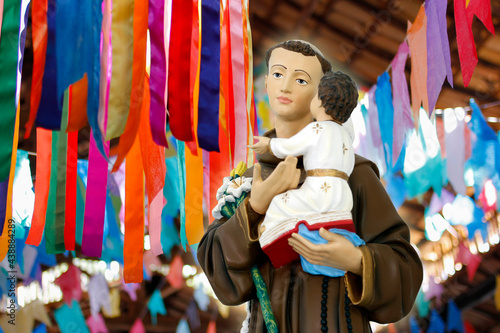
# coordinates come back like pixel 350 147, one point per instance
pixel 50 109
pixel 73 38
pixel 208 106
pixel 383 98
pixel 93 85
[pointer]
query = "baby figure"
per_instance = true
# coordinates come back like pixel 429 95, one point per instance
pixel 324 200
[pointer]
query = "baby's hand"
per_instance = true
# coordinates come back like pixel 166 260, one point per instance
pixel 262 146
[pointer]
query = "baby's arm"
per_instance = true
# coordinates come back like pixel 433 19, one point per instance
pixel 262 146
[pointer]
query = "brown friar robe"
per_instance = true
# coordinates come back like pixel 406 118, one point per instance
pixel 392 270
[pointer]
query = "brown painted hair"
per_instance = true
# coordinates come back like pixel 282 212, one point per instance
pixel 303 48
pixel 338 94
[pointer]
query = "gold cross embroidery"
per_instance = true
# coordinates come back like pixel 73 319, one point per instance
pixel 317 128
pixel 344 148
pixel 325 187
pixel 285 197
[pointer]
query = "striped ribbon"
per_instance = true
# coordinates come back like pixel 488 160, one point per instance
pixel 39 34
pixel 159 26
pixel 208 119
pixel 179 64
pixel 134 216
pixel 122 28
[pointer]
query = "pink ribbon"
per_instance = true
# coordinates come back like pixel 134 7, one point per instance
pixel 239 90
pixel 95 201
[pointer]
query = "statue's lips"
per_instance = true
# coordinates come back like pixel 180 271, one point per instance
pixel 284 100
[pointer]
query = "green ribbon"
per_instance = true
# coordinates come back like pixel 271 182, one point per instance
pixel 8 77
pixel 54 229
pixel 265 303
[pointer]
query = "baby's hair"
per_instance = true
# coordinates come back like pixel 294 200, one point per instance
pixel 338 94
pixel 304 48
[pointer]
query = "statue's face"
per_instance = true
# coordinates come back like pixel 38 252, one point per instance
pixel 292 83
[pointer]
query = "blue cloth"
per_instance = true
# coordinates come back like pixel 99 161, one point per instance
pixel 314 237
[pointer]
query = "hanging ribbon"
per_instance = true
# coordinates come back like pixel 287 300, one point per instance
pixel 225 91
pixel 159 32
pixel 220 166
pixel 8 74
pixel 153 160
pixel 106 65
pixel 417 33
pixel 73 35
pixel 56 230
pixel 4 238
pixel 247 43
pixel 179 64
pixel 400 101
pixel 181 163
pixel 134 215
pixel 138 95
pixel 194 74
pixel 43 166
pixel 383 98
pixel 208 121
pixel 438 50
pixel 71 181
pixel 122 28
pixel 78 105
pixel 194 197
pixel 50 109
pixel 93 84
pixel 238 82
pixel 39 35
pixel 95 201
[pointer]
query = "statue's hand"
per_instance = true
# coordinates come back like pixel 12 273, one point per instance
pixel 286 176
pixel 262 146
pixel 339 252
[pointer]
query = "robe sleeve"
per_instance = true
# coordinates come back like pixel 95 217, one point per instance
pixel 392 270
pixel 228 251
pixel 296 145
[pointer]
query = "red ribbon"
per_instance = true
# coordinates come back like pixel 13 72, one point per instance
pixel 178 71
pixel 39 29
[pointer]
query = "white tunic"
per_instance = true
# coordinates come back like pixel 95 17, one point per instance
pixel 324 145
